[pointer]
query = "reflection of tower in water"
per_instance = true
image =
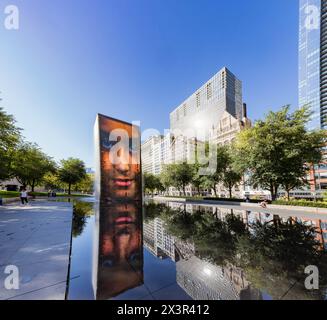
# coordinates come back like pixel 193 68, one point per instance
pixel 118 254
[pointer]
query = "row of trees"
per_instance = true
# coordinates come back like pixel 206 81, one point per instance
pixel 180 175
pixel 276 152
pixel 27 163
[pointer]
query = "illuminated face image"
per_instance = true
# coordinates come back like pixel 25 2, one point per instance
pixel 119 259
pixel 120 235
pixel 120 264
pixel 120 160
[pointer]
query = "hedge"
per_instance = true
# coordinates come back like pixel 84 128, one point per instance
pixel 301 203
pixel 234 200
pixel 14 194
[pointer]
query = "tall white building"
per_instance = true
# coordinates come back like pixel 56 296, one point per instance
pixel 214 112
pixel 157 151
pixel 152 155
pixel 205 107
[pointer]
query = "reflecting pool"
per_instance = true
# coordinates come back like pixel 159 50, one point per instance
pixel 175 251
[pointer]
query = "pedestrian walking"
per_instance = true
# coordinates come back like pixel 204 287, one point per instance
pixel 23 196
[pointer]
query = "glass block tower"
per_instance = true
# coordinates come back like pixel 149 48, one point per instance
pixel 313 60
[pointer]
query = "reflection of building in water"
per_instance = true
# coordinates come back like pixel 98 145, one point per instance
pixel 321 226
pixel 158 241
pixel 200 279
pixel 205 281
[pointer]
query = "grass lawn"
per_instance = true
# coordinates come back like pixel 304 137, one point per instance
pixel 14 194
pixel 9 194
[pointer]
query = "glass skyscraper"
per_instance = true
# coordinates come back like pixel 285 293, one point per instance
pixel 313 60
pixel 309 58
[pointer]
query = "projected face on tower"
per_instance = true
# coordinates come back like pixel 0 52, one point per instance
pixel 118 248
pixel 120 161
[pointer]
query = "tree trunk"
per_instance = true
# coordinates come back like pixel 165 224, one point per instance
pixel 69 188
pixel 215 191
pixel 272 192
pixel 288 195
pixel 33 185
pixel 230 192
pixel 276 190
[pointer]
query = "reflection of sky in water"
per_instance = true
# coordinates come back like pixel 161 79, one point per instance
pixel 171 268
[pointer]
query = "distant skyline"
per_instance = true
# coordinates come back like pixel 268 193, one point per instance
pixel 137 60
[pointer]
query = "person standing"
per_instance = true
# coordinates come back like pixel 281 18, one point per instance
pixel 23 196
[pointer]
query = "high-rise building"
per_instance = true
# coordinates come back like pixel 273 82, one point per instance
pixel 313 74
pixel 323 64
pixel 215 113
pixel 152 154
pixel 205 107
pixel 313 60
pixel 156 151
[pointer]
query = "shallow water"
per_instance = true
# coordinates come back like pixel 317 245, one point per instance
pixel 172 251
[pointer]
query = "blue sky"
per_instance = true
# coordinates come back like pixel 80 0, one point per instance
pixel 138 60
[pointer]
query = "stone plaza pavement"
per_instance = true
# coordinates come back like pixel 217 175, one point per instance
pixel 36 239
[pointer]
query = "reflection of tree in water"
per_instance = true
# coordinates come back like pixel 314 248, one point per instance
pixel 153 210
pixel 273 255
pixel 81 212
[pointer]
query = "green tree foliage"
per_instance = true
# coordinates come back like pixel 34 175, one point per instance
pixel 152 182
pixel 177 175
pixel 223 159
pixel 278 150
pixel 30 164
pixel 52 182
pixel 82 212
pixel 198 180
pixel 71 171
pixel 86 185
pixel 232 174
pixel 9 138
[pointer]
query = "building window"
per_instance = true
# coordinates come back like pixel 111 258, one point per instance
pixel 209 91
pixel 184 109
pixel 198 100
